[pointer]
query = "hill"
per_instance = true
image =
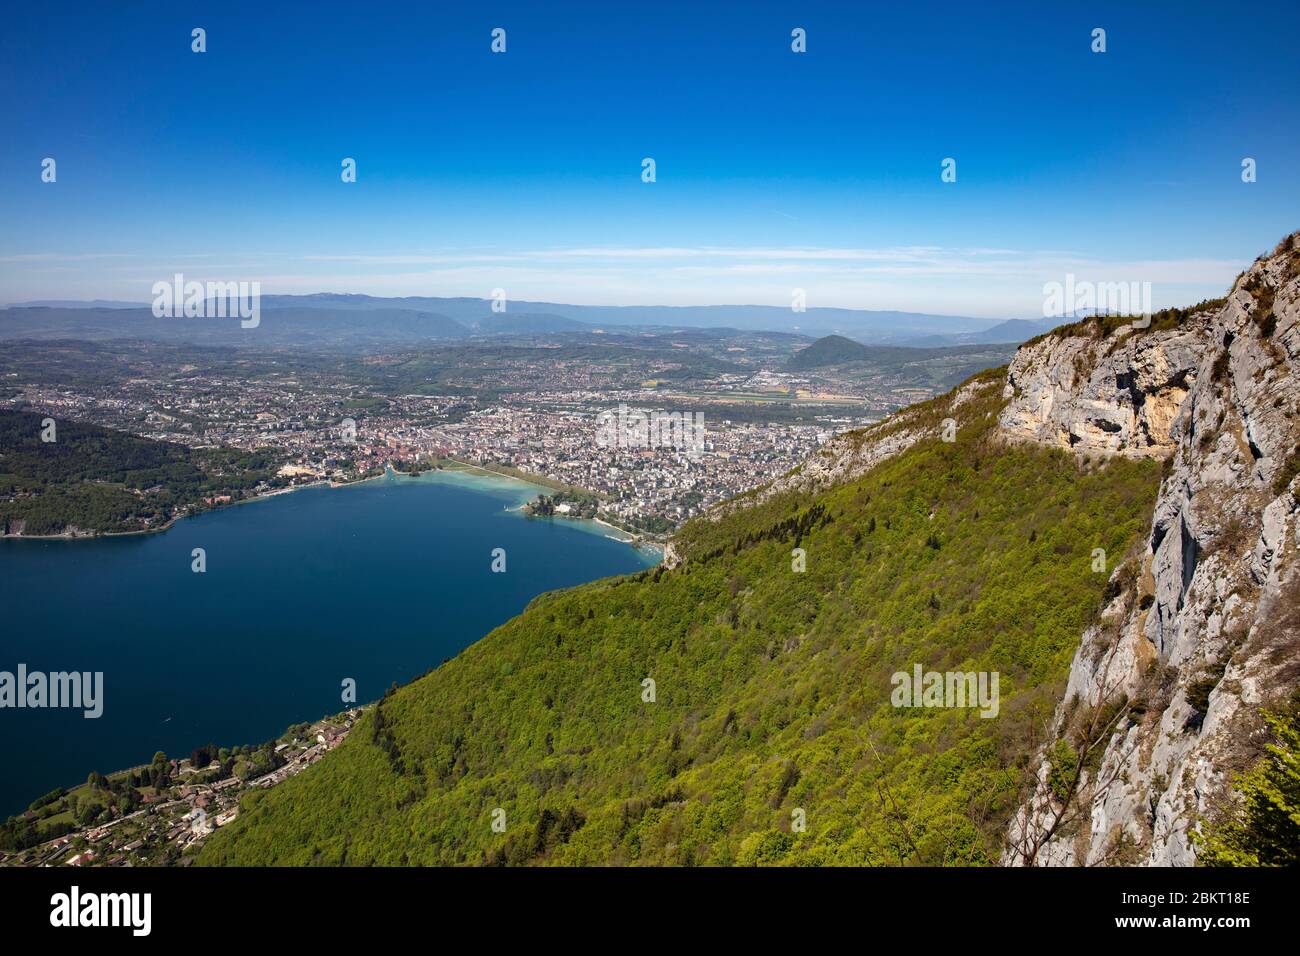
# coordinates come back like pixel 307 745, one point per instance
pixel 1018 330
pixel 511 323
pixel 934 369
pixel 1112 529
pixel 828 350
pixel 93 480
pixel 773 687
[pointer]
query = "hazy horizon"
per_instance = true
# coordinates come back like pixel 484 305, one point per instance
pixel 522 170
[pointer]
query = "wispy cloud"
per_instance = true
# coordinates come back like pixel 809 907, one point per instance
pixel 62 257
pixel 980 281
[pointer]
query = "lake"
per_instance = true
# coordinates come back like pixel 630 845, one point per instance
pixel 377 582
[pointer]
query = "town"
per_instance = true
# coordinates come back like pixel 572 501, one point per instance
pixel 161 813
pixel 538 418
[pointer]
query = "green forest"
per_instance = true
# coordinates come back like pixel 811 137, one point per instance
pixel 771 738
pixel 99 480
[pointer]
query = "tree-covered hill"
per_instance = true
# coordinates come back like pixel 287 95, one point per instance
pixel 97 480
pixel 834 350
pixel 771 738
pixel 934 369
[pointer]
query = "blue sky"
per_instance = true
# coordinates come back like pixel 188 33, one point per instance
pixel 521 170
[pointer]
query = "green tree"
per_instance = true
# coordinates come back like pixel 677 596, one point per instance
pixel 1264 830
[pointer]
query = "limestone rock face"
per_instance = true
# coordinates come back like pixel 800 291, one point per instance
pixel 1162 704
pixel 1116 396
pixel 1163 699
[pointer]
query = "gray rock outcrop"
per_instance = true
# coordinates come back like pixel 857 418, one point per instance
pixel 1164 693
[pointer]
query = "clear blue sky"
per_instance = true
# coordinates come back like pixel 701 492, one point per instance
pixel 775 170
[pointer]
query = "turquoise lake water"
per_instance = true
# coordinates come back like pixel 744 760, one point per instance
pixel 377 582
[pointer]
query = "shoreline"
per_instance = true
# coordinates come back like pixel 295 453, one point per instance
pixel 470 470
pixel 493 492
pixel 94 535
pixel 623 536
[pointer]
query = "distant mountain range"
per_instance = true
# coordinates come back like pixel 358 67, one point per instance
pixel 329 318
pixel 78 304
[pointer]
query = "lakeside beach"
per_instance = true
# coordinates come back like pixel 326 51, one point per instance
pixel 488 479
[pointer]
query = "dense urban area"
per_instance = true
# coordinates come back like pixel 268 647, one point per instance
pixel 532 411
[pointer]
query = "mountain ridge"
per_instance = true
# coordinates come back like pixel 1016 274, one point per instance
pixel 1167 692
pixel 970 532
pixel 753 721
pixel 460 316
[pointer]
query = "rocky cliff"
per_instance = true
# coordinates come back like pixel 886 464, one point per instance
pixel 1202 629
pixel 1202 626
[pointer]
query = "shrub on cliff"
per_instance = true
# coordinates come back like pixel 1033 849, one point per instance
pixel 1264 830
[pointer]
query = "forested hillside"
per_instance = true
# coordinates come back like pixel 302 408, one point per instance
pixel 93 480
pixel 771 685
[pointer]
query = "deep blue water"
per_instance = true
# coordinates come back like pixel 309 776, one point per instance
pixel 377 582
